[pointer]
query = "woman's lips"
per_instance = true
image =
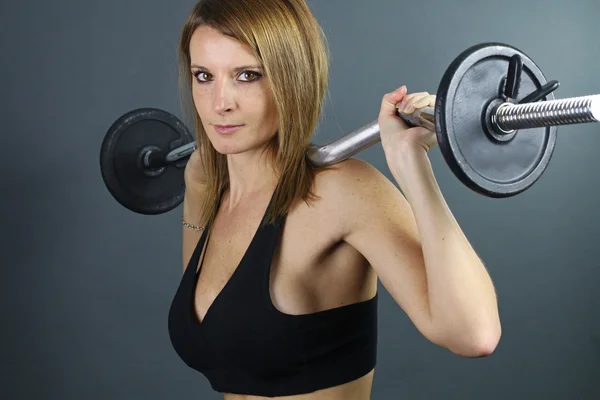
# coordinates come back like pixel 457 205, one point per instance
pixel 227 129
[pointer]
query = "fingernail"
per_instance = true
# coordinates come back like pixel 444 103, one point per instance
pixel 401 106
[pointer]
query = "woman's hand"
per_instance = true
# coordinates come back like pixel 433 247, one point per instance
pixel 396 135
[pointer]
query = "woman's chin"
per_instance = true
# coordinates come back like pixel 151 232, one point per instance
pixel 228 149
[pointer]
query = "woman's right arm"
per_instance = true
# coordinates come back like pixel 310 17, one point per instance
pixel 195 190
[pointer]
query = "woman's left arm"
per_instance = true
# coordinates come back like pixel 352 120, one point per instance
pixel 462 298
pixel 415 244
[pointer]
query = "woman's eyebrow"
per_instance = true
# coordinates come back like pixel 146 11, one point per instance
pixel 237 69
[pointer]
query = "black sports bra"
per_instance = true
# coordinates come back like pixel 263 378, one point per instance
pixel 245 345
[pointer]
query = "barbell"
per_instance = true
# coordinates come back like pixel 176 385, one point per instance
pixel 495 140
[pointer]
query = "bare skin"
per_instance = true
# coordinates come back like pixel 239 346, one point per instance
pixel 312 268
pixel 362 229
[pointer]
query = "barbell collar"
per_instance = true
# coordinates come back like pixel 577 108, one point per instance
pixel 515 69
pixel 540 93
pixel 180 152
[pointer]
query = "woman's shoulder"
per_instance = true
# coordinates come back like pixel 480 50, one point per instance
pixel 347 195
pixel 350 187
pixel 352 177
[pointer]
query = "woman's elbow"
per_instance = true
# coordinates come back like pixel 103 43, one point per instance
pixel 481 344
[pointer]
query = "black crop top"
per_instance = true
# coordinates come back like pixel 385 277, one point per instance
pixel 245 345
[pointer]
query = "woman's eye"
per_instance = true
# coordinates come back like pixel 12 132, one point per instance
pixel 250 76
pixel 202 76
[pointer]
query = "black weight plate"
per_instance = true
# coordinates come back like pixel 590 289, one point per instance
pixel 489 167
pixel 139 189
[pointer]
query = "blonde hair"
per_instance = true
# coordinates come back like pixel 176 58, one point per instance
pixel 291 46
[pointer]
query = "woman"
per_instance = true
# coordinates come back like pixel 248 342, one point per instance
pixel 281 260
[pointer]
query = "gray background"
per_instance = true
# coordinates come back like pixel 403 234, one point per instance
pixel 86 284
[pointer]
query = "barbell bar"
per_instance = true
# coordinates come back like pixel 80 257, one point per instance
pixel 496 141
pixel 506 119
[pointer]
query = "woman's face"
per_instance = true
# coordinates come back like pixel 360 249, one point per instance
pixel 232 98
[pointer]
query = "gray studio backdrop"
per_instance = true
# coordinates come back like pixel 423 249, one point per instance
pixel 86 284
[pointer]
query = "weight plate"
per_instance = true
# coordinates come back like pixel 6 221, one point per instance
pixel 140 189
pixel 488 166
